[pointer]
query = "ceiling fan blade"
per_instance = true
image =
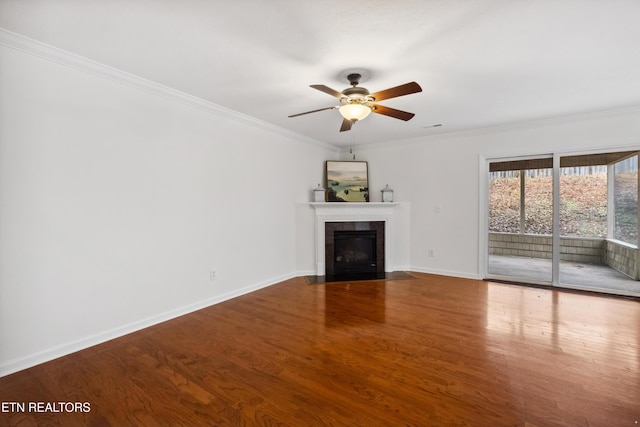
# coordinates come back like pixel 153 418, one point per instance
pixel 312 111
pixel 328 90
pixel 346 125
pixel 392 112
pixel 405 89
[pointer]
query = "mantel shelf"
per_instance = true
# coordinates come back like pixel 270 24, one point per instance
pixel 339 205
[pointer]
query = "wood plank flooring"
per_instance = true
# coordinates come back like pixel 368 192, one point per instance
pixel 428 351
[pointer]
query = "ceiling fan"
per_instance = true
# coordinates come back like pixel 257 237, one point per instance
pixel 356 102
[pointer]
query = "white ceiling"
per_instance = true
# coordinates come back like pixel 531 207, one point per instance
pixel 480 62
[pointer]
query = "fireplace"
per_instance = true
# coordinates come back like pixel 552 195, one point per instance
pixel 354 216
pixel 354 250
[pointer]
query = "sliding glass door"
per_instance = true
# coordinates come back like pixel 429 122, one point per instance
pixel 568 221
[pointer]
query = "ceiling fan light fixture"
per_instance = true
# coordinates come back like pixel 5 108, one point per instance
pixel 354 112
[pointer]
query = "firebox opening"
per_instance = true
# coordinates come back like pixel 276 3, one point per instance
pixel 354 252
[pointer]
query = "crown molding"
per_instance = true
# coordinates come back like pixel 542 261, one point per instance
pixel 42 50
pixel 506 127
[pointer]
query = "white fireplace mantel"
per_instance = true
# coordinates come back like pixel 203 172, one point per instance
pixel 353 212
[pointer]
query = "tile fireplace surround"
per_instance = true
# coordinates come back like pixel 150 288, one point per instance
pixel 353 212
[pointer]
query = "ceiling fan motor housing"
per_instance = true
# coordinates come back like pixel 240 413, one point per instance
pixel 355 95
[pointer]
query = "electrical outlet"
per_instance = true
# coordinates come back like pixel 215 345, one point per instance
pixel 212 275
pixel 431 253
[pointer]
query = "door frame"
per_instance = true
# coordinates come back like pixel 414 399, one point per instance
pixel 483 222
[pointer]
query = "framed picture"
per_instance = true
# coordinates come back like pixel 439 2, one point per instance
pixel 347 181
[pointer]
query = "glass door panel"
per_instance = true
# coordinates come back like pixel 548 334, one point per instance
pixel 599 222
pixel 521 220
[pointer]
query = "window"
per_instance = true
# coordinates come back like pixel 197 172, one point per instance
pixel 504 202
pixel 583 201
pixel 521 196
pixel 625 200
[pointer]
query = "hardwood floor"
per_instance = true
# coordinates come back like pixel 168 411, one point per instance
pixel 429 351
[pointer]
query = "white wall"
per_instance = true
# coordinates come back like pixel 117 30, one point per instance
pixel 441 173
pixel 117 197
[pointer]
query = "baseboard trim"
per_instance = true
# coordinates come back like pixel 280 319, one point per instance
pixel 445 273
pixel 47 355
